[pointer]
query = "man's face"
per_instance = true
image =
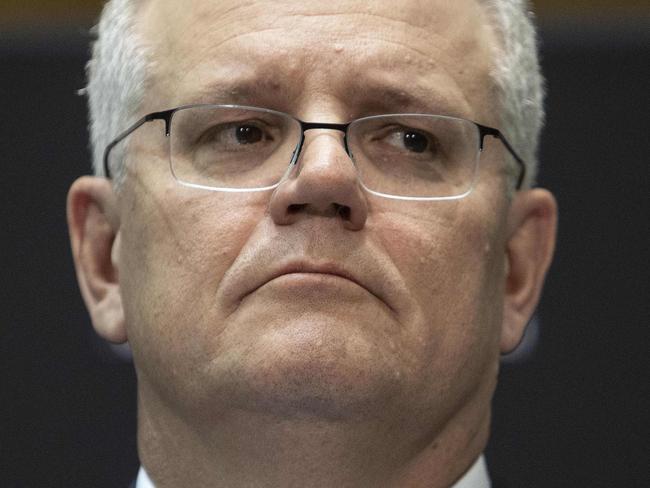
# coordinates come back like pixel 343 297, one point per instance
pixel 276 301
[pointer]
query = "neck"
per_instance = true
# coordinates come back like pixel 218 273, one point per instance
pixel 244 448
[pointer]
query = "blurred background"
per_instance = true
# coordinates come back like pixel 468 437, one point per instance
pixel 572 407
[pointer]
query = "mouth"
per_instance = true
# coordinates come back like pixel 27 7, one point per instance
pixel 292 271
pixel 309 271
pixel 300 274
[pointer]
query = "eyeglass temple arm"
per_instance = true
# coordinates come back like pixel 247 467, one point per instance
pixel 489 131
pixel 165 115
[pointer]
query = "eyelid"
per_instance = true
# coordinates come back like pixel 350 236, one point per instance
pixel 220 127
pixel 403 128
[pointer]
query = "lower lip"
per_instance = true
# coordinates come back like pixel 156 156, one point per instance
pixel 312 286
pixel 313 281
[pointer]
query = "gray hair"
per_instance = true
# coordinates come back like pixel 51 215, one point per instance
pixel 117 77
pixel 518 79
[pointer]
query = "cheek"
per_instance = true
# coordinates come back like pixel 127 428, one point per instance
pixel 175 250
pixel 450 262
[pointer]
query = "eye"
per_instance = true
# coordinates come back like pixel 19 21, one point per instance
pixel 408 140
pixel 415 141
pixel 248 134
pixel 236 134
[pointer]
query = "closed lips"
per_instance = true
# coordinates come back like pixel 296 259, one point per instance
pixel 308 268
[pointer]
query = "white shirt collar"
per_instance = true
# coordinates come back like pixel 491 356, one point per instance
pixel 143 480
pixel 476 477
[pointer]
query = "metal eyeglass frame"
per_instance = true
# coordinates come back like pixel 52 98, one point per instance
pixel 167 115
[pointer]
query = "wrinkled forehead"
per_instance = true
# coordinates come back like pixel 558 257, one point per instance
pixel 276 52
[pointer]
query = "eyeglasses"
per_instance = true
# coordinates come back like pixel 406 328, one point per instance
pixel 232 148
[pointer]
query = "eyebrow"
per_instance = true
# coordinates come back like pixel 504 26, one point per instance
pixel 363 96
pixel 240 91
pixel 376 95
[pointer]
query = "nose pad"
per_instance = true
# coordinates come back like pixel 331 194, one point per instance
pixel 321 180
pixel 315 138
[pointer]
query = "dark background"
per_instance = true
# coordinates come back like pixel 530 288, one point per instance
pixel 573 413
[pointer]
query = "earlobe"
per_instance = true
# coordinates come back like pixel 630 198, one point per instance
pixel 532 223
pixel 93 224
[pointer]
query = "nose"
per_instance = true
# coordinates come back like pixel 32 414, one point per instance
pixel 324 183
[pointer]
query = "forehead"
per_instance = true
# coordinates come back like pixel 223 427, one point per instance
pixel 423 56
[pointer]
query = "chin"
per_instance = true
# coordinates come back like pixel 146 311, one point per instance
pixel 318 369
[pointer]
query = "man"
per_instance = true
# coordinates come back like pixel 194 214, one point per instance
pixel 316 303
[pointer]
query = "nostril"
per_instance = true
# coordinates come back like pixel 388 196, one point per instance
pixel 296 208
pixel 344 211
pixel 335 209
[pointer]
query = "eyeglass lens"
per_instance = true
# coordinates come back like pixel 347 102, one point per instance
pixel 402 155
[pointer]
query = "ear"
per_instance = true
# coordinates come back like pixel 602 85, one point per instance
pixel 532 224
pixel 93 224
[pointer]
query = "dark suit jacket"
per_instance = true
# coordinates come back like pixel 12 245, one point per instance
pixel 496 483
